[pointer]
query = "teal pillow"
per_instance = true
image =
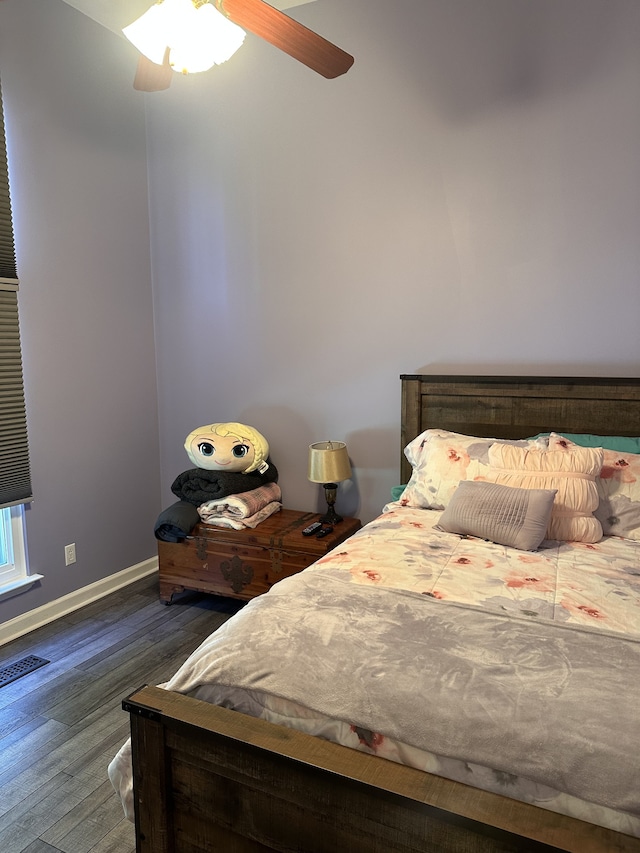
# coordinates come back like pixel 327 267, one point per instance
pixel 396 491
pixel 619 443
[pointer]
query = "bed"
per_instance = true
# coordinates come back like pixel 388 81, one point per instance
pixel 251 777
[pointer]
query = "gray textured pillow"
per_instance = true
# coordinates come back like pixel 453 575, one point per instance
pixel 503 514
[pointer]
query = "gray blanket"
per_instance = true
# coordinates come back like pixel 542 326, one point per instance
pixel 554 703
pixel 176 522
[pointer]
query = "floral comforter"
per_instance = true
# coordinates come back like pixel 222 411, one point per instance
pixel 593 592
pixel 596 585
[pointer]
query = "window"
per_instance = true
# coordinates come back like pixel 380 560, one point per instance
pixel 15 477
pixel 13 553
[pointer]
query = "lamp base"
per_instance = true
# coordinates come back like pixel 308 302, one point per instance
pixel 330 516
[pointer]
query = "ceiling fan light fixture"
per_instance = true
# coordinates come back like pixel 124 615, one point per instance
pixel 207 39
pixel 198 35
pixel 149 32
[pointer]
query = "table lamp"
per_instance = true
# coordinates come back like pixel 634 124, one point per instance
pixel 329 464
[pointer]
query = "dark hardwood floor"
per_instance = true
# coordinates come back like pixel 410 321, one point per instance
pixel 61 724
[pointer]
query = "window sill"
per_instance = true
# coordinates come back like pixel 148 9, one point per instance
pixel 15 588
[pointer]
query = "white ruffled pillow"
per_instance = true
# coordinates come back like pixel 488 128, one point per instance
pixel 618 487
pixel 571 471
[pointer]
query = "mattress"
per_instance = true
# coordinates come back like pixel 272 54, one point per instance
pixel 569 616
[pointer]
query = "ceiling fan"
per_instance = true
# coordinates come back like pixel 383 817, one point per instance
pixel 155 67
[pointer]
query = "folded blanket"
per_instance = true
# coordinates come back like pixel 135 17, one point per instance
pixel 199 485
pixel 243 505
pixel 176 522
pixel 239 523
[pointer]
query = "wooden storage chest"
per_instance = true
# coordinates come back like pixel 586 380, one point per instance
pixel 244 563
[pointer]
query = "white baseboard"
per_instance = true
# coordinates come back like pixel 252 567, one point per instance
pixel 28 622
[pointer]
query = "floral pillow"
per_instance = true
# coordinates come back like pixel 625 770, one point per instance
pixel 618 488
pixel 441 460
pixel 572 471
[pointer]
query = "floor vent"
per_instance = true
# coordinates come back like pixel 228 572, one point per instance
pixel 19 668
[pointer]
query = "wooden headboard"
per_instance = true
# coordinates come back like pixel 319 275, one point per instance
pixel 517 406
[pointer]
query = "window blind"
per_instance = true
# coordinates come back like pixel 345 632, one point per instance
pixel 15 477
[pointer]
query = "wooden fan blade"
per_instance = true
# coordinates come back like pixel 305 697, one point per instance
pixel 288 35
pixel 151 77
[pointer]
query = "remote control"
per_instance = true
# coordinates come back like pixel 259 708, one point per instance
pixel 312 528
pixel 324 532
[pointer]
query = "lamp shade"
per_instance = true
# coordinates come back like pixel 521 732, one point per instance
pixel 198 35
pixel 208 39
pixel 149 33
pixel 328 462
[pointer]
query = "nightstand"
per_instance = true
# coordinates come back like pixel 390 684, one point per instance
pixel 245 563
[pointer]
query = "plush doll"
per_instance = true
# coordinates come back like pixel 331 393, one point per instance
pixel 230 458
pixel 228 447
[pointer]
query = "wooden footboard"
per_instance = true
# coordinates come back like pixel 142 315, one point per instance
pixel 210 779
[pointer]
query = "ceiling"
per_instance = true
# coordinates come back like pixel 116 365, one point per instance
pixel 116 14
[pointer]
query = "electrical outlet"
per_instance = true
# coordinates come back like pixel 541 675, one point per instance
pixel 69 554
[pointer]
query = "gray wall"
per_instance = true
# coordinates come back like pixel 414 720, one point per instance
pixel 76 136
pixel 465 199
